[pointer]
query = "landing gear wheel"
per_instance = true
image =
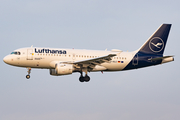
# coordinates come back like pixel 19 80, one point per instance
pixel 27 76
pixel 29 71
pixel 81 79
pixel 86 78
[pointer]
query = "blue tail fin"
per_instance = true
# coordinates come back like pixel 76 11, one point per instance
pixel 157 42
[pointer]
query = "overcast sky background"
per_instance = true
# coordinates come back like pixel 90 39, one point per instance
pixel 145 94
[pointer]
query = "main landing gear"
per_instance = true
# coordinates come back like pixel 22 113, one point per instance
pixel 29 71
pixel 86 78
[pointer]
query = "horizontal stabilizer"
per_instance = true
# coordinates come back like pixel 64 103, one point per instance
pixel 164 59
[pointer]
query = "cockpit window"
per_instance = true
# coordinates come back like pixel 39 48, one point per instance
pixel 16 53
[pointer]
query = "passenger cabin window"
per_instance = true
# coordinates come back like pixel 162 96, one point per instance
pixel 16 53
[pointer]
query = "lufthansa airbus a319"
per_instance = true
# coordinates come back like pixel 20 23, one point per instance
pixel 66 61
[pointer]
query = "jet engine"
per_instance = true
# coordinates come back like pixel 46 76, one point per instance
pixel 61 69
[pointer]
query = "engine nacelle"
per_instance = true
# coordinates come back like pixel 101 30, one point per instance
pixel 62 69
pixel 53 72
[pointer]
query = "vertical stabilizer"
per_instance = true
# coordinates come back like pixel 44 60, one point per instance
pixel 157 42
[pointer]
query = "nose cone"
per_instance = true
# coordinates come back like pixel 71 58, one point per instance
pixel 7 59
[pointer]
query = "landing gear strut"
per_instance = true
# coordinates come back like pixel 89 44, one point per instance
pixel 29 71
pixel 86 78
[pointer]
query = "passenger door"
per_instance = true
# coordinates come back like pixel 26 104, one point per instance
pixel 29 54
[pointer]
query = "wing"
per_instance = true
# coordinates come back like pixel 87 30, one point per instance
pixel 91 63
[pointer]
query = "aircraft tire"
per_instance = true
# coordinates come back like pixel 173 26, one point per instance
pixel 81 79
pixel 86 78
pixel 27 76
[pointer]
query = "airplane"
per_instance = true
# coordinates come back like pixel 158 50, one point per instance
pixel 66 61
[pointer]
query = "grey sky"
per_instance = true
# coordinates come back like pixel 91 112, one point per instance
pixel 145 94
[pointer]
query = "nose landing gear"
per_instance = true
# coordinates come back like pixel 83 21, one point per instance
pixel 29 71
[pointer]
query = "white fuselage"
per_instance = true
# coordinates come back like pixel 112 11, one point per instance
pixel 47 57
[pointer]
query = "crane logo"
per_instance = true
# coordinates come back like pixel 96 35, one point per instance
pixel 156 44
